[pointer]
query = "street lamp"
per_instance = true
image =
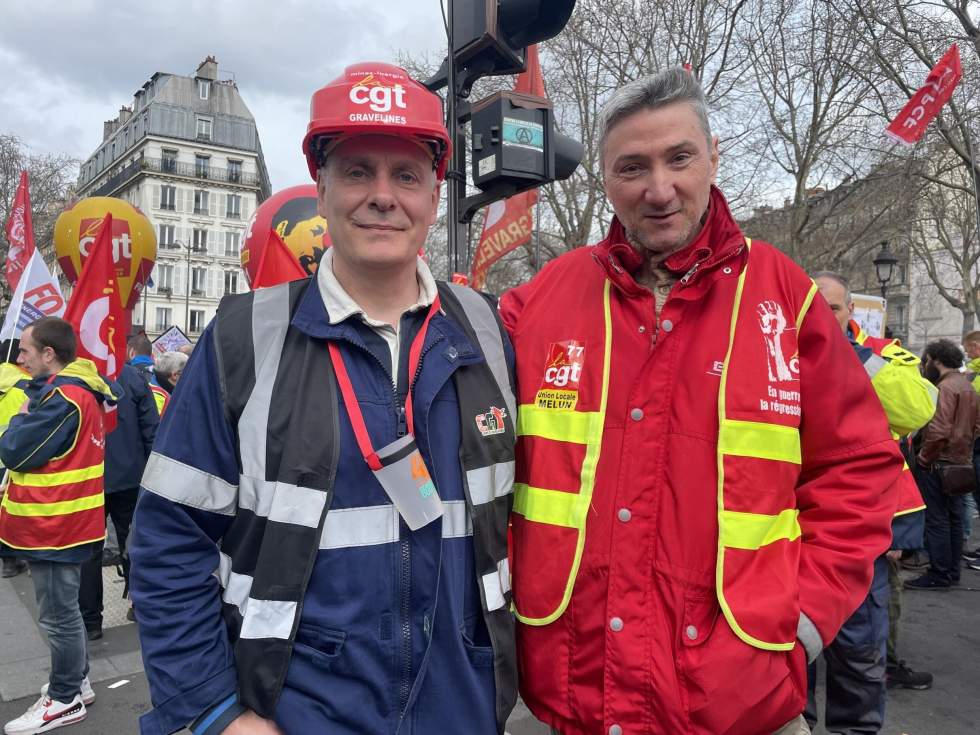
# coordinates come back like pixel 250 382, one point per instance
pixel 885 263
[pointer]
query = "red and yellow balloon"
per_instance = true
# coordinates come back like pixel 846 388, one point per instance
pixel 134 244
pixel 292 214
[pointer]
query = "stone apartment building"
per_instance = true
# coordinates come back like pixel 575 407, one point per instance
pixel 186 152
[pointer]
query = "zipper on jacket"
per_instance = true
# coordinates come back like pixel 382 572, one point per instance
pixel 405 587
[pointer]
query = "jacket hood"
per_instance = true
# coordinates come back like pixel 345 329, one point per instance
pixel 10 375
pixel 85 371
pixel 720 237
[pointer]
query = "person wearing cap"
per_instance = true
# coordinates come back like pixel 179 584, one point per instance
pixel 321 541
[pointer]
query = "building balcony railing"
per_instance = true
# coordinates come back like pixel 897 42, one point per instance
pixel 174 168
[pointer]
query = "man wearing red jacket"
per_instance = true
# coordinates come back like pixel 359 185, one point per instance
pixel 704 473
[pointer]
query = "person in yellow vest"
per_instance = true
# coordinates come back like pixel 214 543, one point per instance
pixel 704 475
pixel 856 659
pixel 13 381
pixel 52 512
pixel 971 503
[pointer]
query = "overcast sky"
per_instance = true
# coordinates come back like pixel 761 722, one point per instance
pixel 68 66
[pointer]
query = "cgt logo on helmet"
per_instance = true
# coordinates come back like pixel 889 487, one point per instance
pixel 379 98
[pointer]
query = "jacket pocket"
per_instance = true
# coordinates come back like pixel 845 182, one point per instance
pixel 320 646
pixel 476 641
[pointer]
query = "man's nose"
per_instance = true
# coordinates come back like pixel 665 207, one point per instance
pixel 659 188
pixel 382 195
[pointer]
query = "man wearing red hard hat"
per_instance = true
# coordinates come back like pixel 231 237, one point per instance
pixel 322 541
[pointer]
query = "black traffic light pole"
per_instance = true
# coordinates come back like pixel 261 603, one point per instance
pixel 456 164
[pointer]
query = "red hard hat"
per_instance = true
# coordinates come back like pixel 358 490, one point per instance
pixel 380 99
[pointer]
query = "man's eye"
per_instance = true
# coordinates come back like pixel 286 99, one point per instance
pixel 407 178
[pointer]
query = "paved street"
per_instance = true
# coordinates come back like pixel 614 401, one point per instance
pixel 940 634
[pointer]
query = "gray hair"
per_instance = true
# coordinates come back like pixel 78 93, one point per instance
pixel 170 362
pixel 837 278
pixel 650 93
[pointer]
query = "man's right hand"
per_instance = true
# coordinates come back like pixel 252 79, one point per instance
pixel 250 723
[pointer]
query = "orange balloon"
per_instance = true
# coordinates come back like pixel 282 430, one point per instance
pixel 134 244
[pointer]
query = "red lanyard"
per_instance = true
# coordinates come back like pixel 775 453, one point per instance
pixel 350 400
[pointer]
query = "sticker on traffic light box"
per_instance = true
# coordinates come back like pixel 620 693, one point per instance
pixel 562 373
pixel 523 133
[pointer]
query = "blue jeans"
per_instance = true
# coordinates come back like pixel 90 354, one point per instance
pixel 944 527
pixel 56 589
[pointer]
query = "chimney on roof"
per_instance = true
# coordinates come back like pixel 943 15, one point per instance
pixel 124 114
pixel 208 69
pixel 108 128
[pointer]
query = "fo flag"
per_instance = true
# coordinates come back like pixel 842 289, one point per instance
pixel 277 264
pixel 911 123
pixel 95 309
pixel 37 295
pixel 510 223
pixel 20 234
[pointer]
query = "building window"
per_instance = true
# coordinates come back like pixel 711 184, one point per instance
pixel 202 165
pixel 200 201
pixel 169 161
pixel 165 278
pixel 197 321
pixel 200 242
pixel 203 88
pixel 231 282
pixel 166 236
pixel 203 128
pixel 163 318
pixel 168 197
pixel 199 278
pixel 234 209
pixel 235 171
pixel 232 240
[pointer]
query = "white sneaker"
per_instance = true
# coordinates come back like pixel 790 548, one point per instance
pixel 46 714
pixel 88 694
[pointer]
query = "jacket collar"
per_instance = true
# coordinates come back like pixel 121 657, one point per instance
pixel 719 239
pixel 312 318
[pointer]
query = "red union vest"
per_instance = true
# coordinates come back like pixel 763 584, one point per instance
pixel 60 505
pixel 758 452
pixel 909 497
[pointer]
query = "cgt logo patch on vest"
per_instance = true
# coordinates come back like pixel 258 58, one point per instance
pixel 492 422
pixel 562 373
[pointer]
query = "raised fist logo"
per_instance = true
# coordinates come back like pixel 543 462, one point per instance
pixel 773 324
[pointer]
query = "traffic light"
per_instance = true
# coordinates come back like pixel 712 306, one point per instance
pixel 490 37
pixel 515 146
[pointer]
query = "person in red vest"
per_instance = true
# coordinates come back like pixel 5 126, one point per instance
pixel 856 659
pixel 52 511
pixel 704 475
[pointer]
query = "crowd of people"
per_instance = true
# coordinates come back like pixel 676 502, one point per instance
pixel 646 490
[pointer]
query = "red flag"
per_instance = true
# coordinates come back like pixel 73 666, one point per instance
pixel 95 309
pixel 911 123
pixel 531 81
pixel 20 233
pixel 509 224
pixel 277 264
pixel 460 279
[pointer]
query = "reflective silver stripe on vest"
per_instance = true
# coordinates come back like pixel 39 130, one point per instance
pixel 268 619
pixel 181 483
pixel 484 323
pixel 378 524
pixel 235 587
pixel 270 319
pixel 487 483
pixel 281 502
pixel 496 585
pixel 874 364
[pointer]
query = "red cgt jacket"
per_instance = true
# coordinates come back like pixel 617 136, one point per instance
pixel 644 645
